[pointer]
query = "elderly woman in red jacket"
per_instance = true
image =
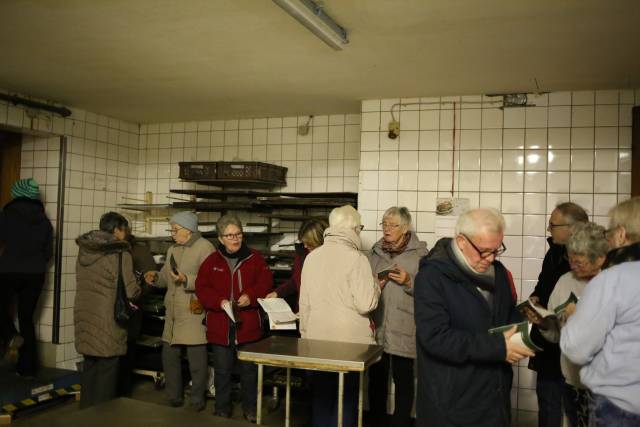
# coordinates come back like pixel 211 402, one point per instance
pixel 233 276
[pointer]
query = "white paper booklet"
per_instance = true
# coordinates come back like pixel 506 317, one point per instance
pixel 279 312
pixel 229 310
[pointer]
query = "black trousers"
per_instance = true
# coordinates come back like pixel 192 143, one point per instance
pixel 224 360
pixel 99 380
pixel 549 391
pixel 402 372
pixel 324 399
pixel 128 361
pixel 25 288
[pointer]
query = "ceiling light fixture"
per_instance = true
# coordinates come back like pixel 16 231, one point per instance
pixel 312 16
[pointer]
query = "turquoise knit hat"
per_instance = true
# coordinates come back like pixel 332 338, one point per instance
pixel 28 188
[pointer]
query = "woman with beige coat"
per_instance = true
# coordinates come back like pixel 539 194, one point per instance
pixel 183 325
pixel 337 294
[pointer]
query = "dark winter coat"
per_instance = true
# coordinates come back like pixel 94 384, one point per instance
pixel 26 237
pixel 555 264
pixel 217 282
pixel 463 378
pixel 96 331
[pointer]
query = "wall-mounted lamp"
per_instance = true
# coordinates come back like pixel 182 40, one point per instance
pixel 312 16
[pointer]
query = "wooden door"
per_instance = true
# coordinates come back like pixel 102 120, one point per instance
pixel 635 153
pixel 10 150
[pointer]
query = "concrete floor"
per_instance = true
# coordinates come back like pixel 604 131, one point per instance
pixel 145 391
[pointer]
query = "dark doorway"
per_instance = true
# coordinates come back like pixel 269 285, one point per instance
pixel 635 153
pixel 10 151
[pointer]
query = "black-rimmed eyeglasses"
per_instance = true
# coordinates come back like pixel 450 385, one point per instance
pixel 487 253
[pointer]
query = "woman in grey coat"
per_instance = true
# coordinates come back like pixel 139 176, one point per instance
pixel 97 335
pixel 184 330
pixel 394 260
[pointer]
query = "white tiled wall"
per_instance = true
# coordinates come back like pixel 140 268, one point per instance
pixel 523 161
pixel 571 146
pixel 101 167
pixel 326 159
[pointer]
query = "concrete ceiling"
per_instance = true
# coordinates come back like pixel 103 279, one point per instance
pixel 167 60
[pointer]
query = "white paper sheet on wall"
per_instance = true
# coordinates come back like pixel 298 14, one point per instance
pixel 447 212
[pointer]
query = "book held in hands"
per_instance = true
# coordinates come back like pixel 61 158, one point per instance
pixel 232 310
pixel 280 315
pixel 522 335
pixel 547 318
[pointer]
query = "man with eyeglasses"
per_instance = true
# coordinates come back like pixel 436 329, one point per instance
pixel 462 291
pixel 549 381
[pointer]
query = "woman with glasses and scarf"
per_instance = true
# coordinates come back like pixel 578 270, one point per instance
pixel 183 328
pixel 603 335
pixel 229 283
pixel 395 259
pixel 586 252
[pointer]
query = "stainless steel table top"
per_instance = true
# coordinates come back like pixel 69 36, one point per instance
pixel 311 354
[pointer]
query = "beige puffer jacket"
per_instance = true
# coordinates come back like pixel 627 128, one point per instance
pixel 96 332
pixel 180 325
pixel 338 291
pixel 395 324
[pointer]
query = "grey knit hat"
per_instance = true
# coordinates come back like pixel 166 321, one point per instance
pixel 26 188
pixel 186 219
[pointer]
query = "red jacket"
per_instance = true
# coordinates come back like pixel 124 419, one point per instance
pixel 215 282
pixel 292 286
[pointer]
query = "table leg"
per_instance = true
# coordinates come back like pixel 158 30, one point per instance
pixel 361 399
pixel 259 408
pixel 340 397
pixel 288 399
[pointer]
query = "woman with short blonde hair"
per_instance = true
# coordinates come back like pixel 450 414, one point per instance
pixel 310 236
pixel 337 294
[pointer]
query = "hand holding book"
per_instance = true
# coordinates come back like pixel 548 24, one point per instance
pixel 516 349
pixel 232 310
pixel 547 319
pixel 517 337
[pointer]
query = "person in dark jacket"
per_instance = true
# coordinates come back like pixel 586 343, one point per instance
pixel 26 245
pixel 461 291
pixel 97 335
pixel 143 262
pixel 550 382
pixel 311 236
pixel 237 276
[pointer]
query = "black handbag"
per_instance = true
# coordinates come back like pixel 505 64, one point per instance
pixel 123 311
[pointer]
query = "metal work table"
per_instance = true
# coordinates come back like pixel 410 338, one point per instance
pixel 299 353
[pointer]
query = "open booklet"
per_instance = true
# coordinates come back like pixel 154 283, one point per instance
pixel 231 308
pixel 548 318
pixel 280 315
pixel 522 335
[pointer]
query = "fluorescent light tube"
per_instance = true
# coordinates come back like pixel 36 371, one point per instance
pixel 309 14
